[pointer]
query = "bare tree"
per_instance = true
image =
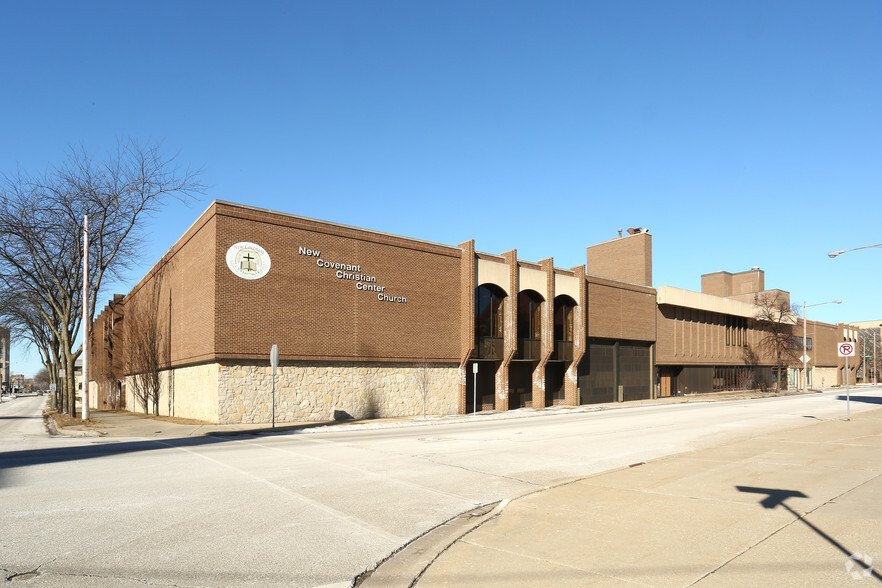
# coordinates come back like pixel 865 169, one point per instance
pixel 27 324
pixel 775 318
pixel 41 379
pixel 146 348
pixel 41 219
pixel 748 378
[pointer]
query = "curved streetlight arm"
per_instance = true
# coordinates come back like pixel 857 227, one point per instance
pixel 841 251
pixel 804 305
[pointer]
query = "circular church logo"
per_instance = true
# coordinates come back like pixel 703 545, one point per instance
pixel 248 260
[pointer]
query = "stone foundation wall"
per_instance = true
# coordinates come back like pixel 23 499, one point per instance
pixel 326 391
pixel 824 377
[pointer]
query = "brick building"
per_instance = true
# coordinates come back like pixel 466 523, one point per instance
pixel 371 324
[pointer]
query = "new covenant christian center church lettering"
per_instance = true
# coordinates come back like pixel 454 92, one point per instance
pixel 348 271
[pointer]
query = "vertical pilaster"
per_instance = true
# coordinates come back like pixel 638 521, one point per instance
pixel 510 338
pixel 546 335
pixel 467 317
pixel 580 340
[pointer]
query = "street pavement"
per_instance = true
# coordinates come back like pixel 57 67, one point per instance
pixel 288 503
pixel 800 507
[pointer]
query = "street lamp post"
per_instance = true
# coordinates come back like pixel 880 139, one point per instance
pixel 804 339
pixel 86 325
pixel 841 251
pixel 875 365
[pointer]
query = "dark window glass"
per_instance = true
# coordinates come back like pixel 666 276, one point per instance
pixel 529 325
pixel 564 313
pixel 489 322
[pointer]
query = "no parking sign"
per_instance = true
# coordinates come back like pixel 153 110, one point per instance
pixel 846 350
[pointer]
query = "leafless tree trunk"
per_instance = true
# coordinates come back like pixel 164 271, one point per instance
pixel 748 379
pixel 775 318
pixel 146 348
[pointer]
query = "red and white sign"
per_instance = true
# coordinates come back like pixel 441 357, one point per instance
pixel 846 349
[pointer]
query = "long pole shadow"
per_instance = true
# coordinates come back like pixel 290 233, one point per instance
pixel 775 497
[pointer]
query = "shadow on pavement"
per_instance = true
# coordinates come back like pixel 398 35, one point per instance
pixel 31 457
pixel 867 399
pixel 776 497
pixel 10 460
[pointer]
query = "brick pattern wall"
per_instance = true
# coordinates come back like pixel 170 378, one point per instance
pixel 688 336
pixel 620 311
pixel 726 284
pixel 467 317
pixel 627 259
pixel 571 381
pixel 825 338
pixel 510 345
pixel 185 296
pixel 418 309
pixel 717 284
pixel 313 314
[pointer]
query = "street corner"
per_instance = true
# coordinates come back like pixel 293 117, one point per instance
pixel 62 425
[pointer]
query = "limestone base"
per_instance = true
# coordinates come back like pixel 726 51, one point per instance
pixel 229 393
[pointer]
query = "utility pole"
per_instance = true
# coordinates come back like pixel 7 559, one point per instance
pixel 875 376
pixel 805 357
pixel 85 322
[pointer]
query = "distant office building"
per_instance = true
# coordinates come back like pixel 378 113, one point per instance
pixel 17 381
pixel 372 324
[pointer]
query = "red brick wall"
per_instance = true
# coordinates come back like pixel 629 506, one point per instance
pixel 620 311
pixel 825 338
pixel 187 291
pixel 628 259
pixel 311 314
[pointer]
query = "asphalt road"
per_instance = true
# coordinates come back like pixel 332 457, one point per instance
pixel 314 507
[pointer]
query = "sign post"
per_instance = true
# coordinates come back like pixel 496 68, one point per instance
pixel 475 387
pixel 846 350
pixel 274 362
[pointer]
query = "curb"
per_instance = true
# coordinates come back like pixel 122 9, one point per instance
pixel 54 431
pixel 405 566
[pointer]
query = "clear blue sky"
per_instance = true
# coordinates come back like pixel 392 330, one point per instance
pixel 740 133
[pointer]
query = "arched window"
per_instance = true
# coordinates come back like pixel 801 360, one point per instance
pixel 529 325
pixel 489 329
pixel 564 313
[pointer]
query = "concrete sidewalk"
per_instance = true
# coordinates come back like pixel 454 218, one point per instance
pixel 105 423
pixel 800 507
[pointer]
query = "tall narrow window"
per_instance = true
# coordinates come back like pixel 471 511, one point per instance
pixel 564 314
pixel 529 325
pixel 489 322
